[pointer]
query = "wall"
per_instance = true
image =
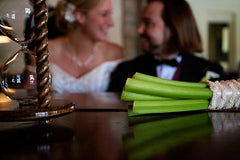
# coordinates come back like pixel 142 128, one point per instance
pixel 207 11
pixel 115 33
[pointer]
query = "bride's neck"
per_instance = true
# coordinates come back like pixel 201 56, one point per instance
pixel 77 44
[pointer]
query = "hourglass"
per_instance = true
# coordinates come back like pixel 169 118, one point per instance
pixel 18 73
pixel 21 75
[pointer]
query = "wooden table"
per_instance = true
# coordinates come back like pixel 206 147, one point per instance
pixel 100 129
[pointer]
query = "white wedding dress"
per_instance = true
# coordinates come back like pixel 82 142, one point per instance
pixel 96 80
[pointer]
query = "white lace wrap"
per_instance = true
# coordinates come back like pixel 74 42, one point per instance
pixel 97 80
pixel 226 94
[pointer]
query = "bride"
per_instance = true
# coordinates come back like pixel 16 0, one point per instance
pixel 82 60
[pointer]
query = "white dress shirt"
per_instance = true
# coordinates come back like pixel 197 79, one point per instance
pixel 166 71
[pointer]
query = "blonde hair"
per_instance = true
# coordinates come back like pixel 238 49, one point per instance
pixel 84 6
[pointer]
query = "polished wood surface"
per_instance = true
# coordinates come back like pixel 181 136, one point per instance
pixel 100 129
pixel 95 101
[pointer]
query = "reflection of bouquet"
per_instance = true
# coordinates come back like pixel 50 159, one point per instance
pixel 155 95
pixel 152 139
pixel 224 122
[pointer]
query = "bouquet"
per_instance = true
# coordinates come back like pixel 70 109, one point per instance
pixel 152 95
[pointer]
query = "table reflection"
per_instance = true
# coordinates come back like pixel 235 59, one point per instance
pixel 19 138
pixel 161 136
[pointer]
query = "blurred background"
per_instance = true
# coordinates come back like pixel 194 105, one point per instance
pixel 218 22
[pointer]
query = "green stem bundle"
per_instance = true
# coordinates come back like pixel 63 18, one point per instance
pixel 166 106
pixel 156 95
pixel 148 78
pixel 166 90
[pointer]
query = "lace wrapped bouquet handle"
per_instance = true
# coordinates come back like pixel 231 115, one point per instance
pixel 152 95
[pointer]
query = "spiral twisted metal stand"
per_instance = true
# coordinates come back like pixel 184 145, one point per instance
pixel 43 75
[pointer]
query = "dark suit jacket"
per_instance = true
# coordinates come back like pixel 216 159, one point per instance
pixel 193 69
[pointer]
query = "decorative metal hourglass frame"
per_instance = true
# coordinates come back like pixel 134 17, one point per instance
pixel 25 76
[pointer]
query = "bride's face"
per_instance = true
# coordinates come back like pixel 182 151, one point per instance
pixel 98 21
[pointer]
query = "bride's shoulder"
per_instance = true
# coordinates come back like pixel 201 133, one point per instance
pixel 112 50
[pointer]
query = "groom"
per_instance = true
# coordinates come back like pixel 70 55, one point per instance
pixel 168 32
